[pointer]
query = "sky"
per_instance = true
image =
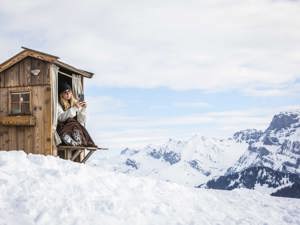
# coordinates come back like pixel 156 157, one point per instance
pixel 168 69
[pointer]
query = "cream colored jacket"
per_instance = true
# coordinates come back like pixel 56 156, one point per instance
pixel 71 113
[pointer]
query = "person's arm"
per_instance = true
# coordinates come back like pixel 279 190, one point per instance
pixel 81 116
pixel 64 115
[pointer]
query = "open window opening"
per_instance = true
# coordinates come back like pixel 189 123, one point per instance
pixel 75 81
pixel 64 76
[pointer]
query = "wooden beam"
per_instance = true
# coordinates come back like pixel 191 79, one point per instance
pixel 13 60
pixel 78 149
pixel 70 147
pixel 76 154
pixel 87 156
pixel 32 50
pixel 73 69
pixel 26 53
pixel 18 120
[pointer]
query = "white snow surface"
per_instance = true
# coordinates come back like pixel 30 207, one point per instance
pixel 37 189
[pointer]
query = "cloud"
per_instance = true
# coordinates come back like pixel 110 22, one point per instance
pixel 119 131
pixel 288 90
pixel 251 46
pixel 203 45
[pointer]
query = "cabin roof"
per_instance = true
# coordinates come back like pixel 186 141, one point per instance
pixel 27 52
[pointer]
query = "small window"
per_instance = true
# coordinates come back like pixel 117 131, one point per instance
pixel 20 103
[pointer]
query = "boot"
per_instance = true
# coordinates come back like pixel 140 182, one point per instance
pixel 68 140
pixel 77 137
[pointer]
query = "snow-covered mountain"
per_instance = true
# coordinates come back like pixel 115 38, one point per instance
pixel 249 136
pixel 278 147
pixel 186 162
pixel 41 190
pixel 272 159
pixel 256 178
pixel 250 159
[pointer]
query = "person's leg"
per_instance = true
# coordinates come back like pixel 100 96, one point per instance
pixel 77 136
pixel 67 139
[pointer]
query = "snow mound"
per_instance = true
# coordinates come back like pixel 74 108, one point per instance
pixel 47 190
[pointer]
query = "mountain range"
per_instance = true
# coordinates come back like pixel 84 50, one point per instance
pixel 272 159
pixel 268 160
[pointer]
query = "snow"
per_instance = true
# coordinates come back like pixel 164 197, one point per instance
pixel 46 190
pixel 213 156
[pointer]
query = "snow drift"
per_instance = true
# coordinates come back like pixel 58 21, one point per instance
pixel 47 190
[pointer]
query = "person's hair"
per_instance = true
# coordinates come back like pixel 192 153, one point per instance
pixel 66 104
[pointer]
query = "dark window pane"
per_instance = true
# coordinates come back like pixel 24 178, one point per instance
pixel 15 108
pixel 15 97
pixel 25 97
pixel 25 108
pixel 20 103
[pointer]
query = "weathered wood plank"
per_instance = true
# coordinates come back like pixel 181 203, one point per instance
pixel 2 74
pixel 6 84
pixel 12 76
pixel 9 63
pixel 87 156
pixel 22 78
pixel 76 154
pixel 34 54
pixel 47 120
pixel 35 64
pixel 3 101
pixel 27 69
pixel 1 137
pixel 37 103
pixel 12 137
pixel 20 138
pixel 43 77
pixel 17 120
pixel 28 139
pixel 69 147
pixel 5 140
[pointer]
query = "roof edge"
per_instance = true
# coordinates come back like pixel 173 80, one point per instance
pixel 32 50
pixel 27 52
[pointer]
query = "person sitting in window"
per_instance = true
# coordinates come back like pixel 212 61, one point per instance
pixel 71 119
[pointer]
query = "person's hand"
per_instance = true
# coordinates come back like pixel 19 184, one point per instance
pixel 82 104
pixel 78 105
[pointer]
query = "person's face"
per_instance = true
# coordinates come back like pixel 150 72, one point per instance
pixel 67 94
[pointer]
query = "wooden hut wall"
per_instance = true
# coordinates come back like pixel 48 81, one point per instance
pixel 18 78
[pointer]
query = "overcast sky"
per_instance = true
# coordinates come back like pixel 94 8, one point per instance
pixel 168 69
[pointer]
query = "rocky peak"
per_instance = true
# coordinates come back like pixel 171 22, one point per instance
pixel 248 136
pixel 284 120
pixel 282 126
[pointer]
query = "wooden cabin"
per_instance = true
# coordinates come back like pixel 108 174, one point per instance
pixel 28 102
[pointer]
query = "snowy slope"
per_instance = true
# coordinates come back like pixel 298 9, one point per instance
pixel 185 162
pixel 47 190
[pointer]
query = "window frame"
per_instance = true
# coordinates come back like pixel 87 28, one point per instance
pixel 29 102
